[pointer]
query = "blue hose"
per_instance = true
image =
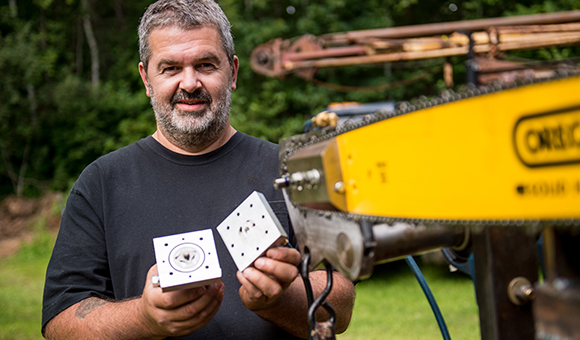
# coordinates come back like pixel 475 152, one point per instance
pixel 442 326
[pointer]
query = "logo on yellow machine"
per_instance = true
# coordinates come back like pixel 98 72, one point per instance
pixel 549 138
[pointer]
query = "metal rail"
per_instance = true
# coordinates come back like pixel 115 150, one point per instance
pixel 304 55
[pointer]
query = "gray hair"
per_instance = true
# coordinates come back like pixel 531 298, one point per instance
pixel 185 14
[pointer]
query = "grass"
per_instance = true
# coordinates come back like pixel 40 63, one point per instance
pixel 21 286
pixel 390 305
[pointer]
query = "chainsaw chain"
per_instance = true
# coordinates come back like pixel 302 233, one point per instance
pixel 296 143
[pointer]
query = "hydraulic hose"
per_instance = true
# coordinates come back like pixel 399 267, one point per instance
pixel 421 279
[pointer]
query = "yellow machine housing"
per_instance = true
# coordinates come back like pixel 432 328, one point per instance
pixel 507 155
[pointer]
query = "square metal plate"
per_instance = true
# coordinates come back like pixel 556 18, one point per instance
pixel 250 230
pixel 187 260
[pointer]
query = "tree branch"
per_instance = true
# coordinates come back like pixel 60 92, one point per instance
pixel 92 41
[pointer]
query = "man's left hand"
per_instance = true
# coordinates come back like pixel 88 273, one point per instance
pixel 271 275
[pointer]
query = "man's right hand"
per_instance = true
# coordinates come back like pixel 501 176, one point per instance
pixel 155 315
pixel 180 312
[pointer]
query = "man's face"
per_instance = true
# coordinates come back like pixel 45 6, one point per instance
pixel 189 81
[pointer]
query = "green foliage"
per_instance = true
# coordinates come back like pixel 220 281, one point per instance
pixel 100 124
pixel 55 121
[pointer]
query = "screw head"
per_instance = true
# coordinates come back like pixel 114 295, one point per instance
pixel 339 187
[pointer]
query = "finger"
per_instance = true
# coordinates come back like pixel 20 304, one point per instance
pixel 194 315
pixel 284 254
pixel 204 307
pixel 175 299
pixel 194 311
pixel 152 271
pixel 283 272
pixel 169 300
pixel 270 287
pixel 251 291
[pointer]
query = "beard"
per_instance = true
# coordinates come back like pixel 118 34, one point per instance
pixel 193 131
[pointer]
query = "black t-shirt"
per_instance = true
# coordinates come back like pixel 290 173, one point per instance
pixel 126 198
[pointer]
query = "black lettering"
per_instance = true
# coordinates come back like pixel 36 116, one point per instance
pixel 573 132
pixel 538 140
pixel 544 138
pixel 382 166
pixel 539 189
pixel 548 139
pixel 533 141
pixel 558 188
pixel 556 138
pixel 543 188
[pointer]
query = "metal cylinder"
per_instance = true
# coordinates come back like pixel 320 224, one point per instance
pixel 401 239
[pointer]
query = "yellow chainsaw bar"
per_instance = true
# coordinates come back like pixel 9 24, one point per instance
pixel 511 155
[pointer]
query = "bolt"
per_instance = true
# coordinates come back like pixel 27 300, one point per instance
pixel 520 291
pixel 299 180
pixel 339 187
pixel 526 292
pixel 281 182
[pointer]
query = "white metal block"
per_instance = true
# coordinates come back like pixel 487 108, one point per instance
pixel 250 230
pixel 187 260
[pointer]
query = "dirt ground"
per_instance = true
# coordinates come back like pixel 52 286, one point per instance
pixel 19 215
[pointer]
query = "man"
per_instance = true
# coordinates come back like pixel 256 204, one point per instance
pixel 189 175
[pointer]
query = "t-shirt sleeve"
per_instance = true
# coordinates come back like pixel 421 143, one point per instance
pixel 78 267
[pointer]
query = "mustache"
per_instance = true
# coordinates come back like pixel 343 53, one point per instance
pixel 198 94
